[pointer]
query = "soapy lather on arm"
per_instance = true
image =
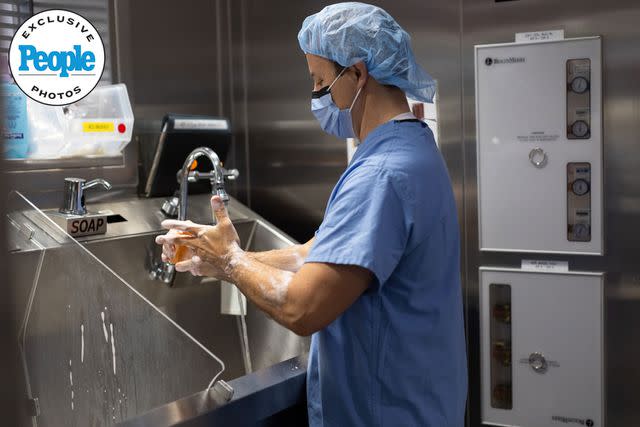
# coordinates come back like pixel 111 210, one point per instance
pixel 303 301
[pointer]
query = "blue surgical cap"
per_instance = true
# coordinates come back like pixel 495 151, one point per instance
pixel 348 33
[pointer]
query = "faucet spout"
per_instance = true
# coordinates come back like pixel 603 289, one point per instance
pixel 184 175
pixel 217 176
pixel 164 271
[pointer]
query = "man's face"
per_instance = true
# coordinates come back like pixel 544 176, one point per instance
pixel 323 73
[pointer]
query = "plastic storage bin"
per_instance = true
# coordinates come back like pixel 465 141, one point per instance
pixel 101 124
pixel 98 125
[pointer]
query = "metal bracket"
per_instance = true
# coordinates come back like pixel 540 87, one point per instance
pixel 33 407
pixel 225 389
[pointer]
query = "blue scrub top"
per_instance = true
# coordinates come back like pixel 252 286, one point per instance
pixel 397 356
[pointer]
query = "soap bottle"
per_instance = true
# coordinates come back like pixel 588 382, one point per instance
pixel 15 125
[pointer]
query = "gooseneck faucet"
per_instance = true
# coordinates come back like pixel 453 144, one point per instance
pixel 165 271
pixel 216 177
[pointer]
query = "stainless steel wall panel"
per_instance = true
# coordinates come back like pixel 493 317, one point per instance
pixel 294 165
pixel 183 58
pixel 490 22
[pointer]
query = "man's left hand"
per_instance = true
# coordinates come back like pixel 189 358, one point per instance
pixel 214 249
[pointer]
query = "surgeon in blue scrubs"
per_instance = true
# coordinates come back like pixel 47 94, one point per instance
pixel 378 287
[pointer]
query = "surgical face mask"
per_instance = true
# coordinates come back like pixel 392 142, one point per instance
pixel 332 119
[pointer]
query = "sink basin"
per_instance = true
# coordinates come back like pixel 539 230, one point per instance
pixel 194 302
pixel 88 291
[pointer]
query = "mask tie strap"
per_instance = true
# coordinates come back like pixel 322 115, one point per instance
pixel 336 79
pixel 356 97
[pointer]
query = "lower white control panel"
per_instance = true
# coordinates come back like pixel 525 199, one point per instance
pixel 541 348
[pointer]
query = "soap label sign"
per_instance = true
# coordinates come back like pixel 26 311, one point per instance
pixel 86 226
pixel 56 57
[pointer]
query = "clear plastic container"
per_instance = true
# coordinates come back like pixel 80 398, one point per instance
pixel 100 124
pixel 47 128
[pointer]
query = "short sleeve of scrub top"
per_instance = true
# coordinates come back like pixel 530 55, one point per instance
pixel 367 222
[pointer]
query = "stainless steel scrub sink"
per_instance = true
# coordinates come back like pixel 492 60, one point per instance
pixel 69 300
pixel 194 302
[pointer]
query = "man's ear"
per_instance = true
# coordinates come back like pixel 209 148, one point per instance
pixel 361 73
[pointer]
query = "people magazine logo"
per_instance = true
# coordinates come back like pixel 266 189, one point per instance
pixel 56 57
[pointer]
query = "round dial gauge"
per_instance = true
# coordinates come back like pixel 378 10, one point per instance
pixel 580 187
pixel 579 85
pixel 580 128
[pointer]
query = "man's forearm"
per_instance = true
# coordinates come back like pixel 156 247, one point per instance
pixel 266 286
pixel 304 302
pixel 289 259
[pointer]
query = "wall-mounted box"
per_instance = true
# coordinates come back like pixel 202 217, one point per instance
pixel 541 342
pixel 539 146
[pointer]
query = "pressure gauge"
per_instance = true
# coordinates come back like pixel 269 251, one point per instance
pixel 579 85
pixel 580 128
pixel 580 187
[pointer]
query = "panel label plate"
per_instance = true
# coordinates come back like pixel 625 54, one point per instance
pixel 539 36
pixel 540 265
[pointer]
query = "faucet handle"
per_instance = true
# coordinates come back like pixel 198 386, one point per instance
pixel 194 176
pixel 231 174
pixel 170 207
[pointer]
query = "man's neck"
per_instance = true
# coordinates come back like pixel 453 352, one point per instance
pixel 381 105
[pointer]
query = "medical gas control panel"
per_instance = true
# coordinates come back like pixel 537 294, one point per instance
pixel 539 146
pixel 541 348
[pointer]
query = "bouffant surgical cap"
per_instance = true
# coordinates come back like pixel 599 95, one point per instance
pixel 351 32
